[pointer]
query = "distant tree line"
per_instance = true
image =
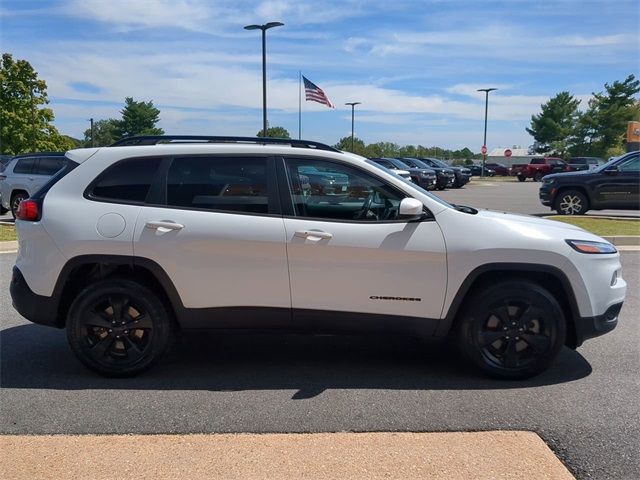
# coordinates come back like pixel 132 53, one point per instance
pixel 599 131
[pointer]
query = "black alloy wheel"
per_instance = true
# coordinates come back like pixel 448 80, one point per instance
pixel 512 330
pixel 117 327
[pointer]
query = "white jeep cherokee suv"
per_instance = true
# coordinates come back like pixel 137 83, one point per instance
pixel 129 243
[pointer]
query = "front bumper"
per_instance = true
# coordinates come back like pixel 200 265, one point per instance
pixel 33 307
pixel 547 194
pixel 591 327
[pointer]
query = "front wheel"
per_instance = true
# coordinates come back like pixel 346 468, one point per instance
pixel 512 329
pixel 521 178
pixel 571 202
pixel 118 327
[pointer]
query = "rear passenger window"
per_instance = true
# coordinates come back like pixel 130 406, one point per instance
pixel 231 184
pixel 48 165
pixel 24 165
pixel 128 181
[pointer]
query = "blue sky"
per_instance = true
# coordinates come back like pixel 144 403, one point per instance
pixel 414 65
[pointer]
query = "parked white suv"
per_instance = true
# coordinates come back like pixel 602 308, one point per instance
pixel 127 244
pixel 25 174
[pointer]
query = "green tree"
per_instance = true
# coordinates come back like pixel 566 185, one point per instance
pixel 274 132
pixel 138 118
pixel 25 121
pixel 552 128
pixel 345 144
pixel 382 149
pixel 105 132
pixel 602 128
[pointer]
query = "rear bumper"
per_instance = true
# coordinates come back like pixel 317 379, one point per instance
pixel 35 308
pixel 591 327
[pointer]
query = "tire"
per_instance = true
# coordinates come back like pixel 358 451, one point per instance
pixel 538 177
pixel 511 330
pixel 521 178
pixel 16 199
pixel 571 202
pixel 3 210
pixel 101 327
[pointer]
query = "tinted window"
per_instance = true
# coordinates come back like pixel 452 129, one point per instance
pixel 48 165
pixel 219 183
pixel 24 165
pixel 340 192
pixel 632 165
pixel 537 161
pixel 128 180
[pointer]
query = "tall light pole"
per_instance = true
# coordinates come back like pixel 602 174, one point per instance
pixel 353 106
pixel 486 109
pixel 93 143
pixel 264 29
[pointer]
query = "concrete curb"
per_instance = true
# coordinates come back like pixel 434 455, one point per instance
pixel 624 240
pixel 6 247
pixel 374 456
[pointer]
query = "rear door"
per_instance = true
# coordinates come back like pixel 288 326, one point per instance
pixel 353 264
pixel 21 177
pixel 215 228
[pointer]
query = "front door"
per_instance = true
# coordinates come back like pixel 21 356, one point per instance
pixel 353 263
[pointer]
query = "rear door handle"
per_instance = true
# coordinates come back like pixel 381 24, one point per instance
pixel 164 225
pixel 313 234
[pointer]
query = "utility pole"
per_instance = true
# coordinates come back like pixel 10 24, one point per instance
pixel 353 105
pixel 93 142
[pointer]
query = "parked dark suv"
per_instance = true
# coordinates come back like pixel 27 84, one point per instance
pixel 462 175
pixel 423 176
pixel 615 185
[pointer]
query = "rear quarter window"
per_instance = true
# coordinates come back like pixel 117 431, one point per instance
pixel 48 165
pixel 24 165
pixel 127 181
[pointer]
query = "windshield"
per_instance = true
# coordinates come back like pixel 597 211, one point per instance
pixel 614 161
pixel 411 184
pixel 399 164
pixel 440 163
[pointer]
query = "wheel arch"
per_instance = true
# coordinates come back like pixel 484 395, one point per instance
pixel 80 271
pixel 547 276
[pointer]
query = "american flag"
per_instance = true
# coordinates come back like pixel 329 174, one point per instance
pixel 314 93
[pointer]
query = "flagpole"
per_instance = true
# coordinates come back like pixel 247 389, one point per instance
pixel 299 105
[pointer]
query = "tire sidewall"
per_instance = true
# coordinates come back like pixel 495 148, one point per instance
pixel 478 308
pixel 160 338
pixel 583 199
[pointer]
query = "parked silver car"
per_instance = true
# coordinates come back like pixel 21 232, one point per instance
pixel 26 174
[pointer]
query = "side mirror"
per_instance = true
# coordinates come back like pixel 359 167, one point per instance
pixel 410 207
pixel 612 170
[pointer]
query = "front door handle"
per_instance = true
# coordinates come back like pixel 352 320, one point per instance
pixel 313 234
pixel 164 225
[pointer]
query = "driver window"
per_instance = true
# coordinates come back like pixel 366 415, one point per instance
pixel 632 165
pixel 321 189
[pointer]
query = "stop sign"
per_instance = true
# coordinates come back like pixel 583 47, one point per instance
pixel 507 153
pixel 483 150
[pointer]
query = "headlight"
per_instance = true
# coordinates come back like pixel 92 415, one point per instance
pixel 584 246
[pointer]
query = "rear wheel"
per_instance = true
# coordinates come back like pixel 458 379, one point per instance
pixel 512 329
pixel 571 202
pixel 117 327
pixel 521 178
pixel 16 200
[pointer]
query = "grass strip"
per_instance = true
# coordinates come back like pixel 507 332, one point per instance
pixel 608 227
pixel 7 233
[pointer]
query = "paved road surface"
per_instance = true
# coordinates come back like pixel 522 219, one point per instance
pixel 587 407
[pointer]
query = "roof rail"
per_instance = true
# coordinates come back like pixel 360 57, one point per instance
pixel 156 139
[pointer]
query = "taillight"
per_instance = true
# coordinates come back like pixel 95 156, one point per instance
pixel 29 210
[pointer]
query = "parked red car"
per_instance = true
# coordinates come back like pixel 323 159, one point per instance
pixel 498 168
pixel 539 167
